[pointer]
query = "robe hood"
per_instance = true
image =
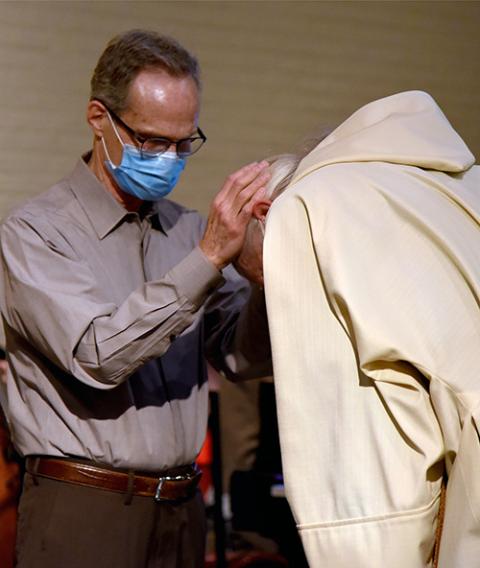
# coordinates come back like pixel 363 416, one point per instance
pixel 407 128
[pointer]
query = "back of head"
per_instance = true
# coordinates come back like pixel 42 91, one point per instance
pixel 283 166
pixel 131 52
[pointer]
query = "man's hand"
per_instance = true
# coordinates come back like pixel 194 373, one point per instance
pixel 231 211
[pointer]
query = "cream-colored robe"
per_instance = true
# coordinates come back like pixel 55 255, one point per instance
pixel 372 279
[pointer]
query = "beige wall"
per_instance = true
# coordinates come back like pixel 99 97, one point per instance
pixel 273 72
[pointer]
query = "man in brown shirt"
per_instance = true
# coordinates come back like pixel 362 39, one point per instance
pixel 112 298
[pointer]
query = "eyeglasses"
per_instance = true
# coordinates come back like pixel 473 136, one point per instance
pixel 151 147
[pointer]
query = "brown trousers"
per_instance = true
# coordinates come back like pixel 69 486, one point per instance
pixel 64 525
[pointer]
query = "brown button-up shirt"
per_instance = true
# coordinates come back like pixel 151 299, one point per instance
pixel 108 316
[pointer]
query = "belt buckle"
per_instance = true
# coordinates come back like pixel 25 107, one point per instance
pixel 161 481
pixel 158 491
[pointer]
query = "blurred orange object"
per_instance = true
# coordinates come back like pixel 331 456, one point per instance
pixel 204 461
pixel 9 491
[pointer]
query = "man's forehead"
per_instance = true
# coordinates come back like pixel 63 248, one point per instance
pixel 159 103
pixel 152 86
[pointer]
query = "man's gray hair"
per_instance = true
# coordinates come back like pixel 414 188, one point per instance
pixel 131 52
pixel 283 167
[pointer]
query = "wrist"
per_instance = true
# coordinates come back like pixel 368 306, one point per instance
pixel 215 258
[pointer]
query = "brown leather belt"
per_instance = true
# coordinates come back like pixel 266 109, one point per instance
pixel 169 485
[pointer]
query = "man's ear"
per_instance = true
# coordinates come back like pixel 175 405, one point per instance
pixel 260 209
pixel 96 115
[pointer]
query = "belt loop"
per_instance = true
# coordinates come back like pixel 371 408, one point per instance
pixel 36 462
pixel 130 487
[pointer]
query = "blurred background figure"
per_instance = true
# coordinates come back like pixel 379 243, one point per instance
pixel 260 516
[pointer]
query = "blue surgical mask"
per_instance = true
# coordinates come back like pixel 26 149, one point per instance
pixel 148 178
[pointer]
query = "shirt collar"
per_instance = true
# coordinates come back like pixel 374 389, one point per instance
pixel 155 213
pixel 102 209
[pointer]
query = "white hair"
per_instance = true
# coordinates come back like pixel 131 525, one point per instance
pixel 282 168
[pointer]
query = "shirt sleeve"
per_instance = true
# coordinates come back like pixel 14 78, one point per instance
pixel 50 299
pixel 238 340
